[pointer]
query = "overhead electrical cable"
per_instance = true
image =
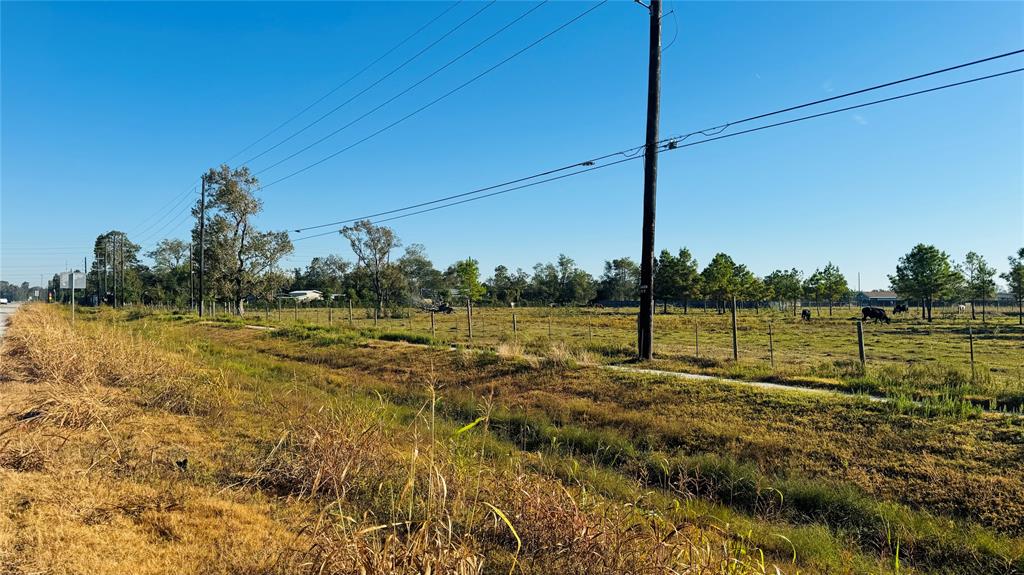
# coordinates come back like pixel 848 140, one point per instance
pixel 346 82
pixel 374 84
pixel 631 152
pixel 308 107
pixel 672 144
pixel 443 96
pixel 407 89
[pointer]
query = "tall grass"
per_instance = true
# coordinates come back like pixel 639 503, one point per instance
pixel 158 461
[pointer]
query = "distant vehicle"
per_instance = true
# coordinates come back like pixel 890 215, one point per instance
pixel 3 300
pixel 304 295
pixel 440 307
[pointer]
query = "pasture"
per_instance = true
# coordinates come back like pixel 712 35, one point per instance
pixel 314 447
pixel 908 358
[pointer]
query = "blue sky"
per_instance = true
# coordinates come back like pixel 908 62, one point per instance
pixel 110 111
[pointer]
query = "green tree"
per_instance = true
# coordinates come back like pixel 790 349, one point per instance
pixel 720 280
pixel 464 275
pixel 324 274
pixel 620 281
pixel 419 274
pixel 756 291
pixel 1015 282
pixel 168 280
pixel 110 251
pixel 833 286
pixel 372 245
pixel 240 259
pixel 676 277
pixel 812 288
pixel 924 274
pixel 787 286
pixel 562 282
pixel 507 287
pixel 979 281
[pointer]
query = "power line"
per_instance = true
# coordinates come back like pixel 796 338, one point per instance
pixel 148 233
pixel 442 97
pixel 409 88
pixel 173 202
pixel 633 151
pixel 722 127
pixel 371 86
pixel 669 146
pixel 175 199
pixel 347 81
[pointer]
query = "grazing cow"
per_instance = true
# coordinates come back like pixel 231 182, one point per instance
pixel 961 309
pixel 805 315
pixel 875 313
pixel 900 308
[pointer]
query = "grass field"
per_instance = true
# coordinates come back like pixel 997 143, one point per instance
pixel 314 448
pixel 908 358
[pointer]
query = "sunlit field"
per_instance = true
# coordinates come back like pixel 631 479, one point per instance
pixel 906 357
pixel 310 448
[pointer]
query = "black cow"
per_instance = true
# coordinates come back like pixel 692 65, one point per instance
pixel 805 315
pixel 900 308
pixel 875 313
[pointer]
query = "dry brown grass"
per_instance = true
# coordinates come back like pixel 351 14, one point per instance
pixel 118 455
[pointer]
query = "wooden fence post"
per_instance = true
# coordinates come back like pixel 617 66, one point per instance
pixel 860 344
pixel 771 346
pixel 735 342
pixel 469 319
pixel 515 326
pixel 970 338
pixel 433 333
pixel 350 312
pixel 696 341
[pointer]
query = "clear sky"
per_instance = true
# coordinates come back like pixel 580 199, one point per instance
pixel 111 111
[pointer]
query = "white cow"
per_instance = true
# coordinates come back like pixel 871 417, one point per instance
pixel 961 309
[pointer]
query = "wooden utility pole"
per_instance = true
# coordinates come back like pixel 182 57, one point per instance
pixel 113 271
pixel 122 270
pixel 191 281
pixel 202 248
pixel 645 323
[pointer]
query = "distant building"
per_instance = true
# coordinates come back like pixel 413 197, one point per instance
pixel 304 295
pixel 878 298
pixel 1005 298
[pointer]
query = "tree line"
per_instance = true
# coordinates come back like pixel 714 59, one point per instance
pixel 242 266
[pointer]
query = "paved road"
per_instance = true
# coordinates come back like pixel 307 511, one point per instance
pixel 6 310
